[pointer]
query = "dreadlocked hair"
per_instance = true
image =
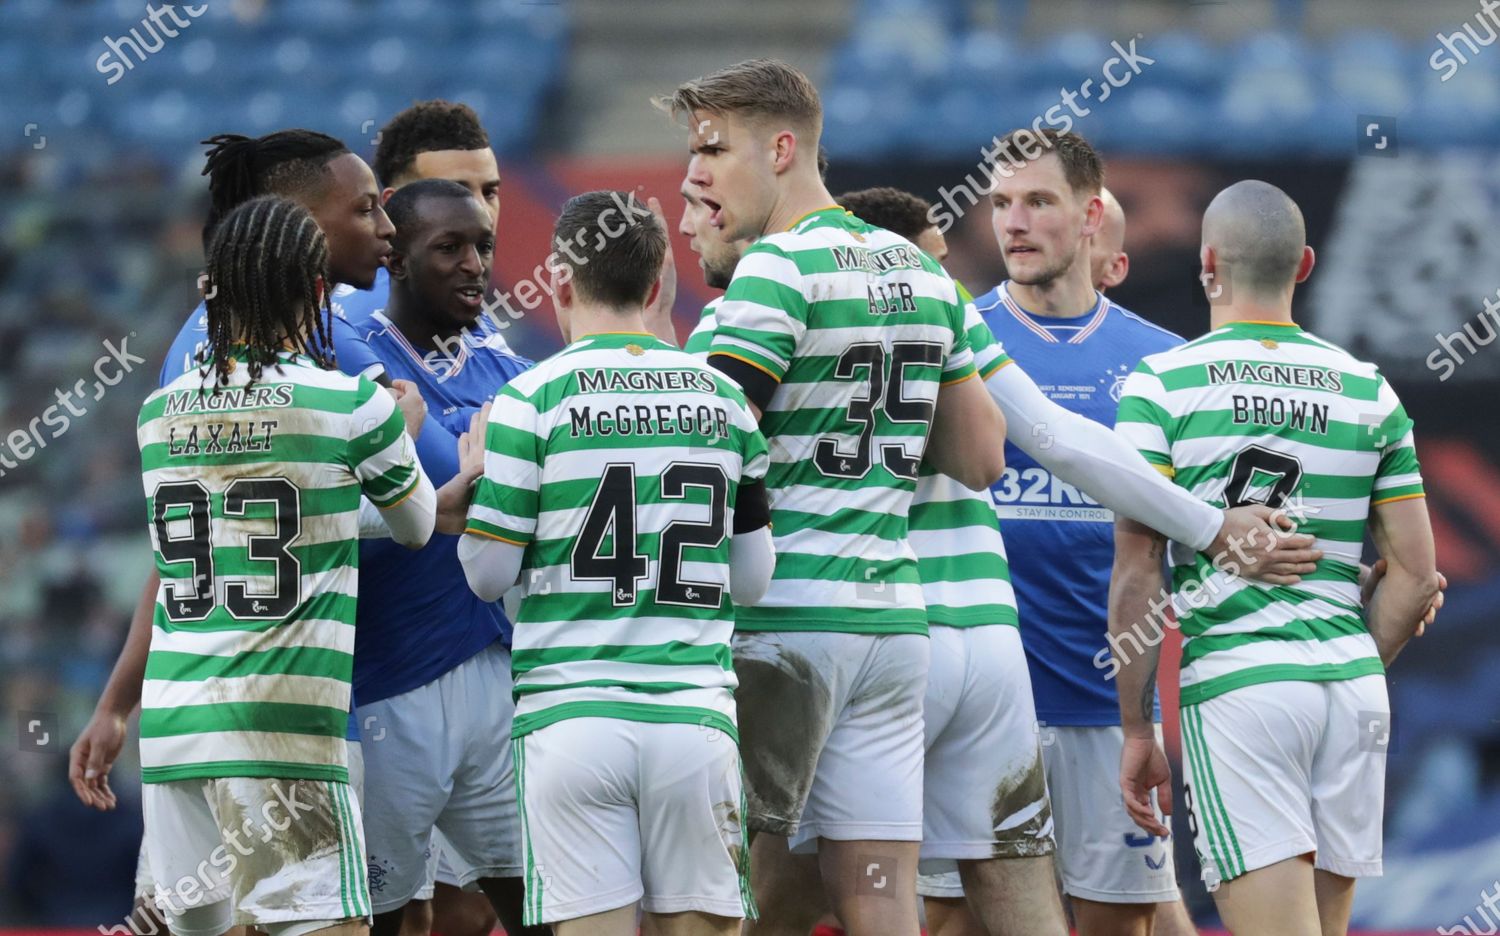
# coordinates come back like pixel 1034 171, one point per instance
pixel 287 162
pixel 267 271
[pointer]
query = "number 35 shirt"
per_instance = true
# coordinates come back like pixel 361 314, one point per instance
pixel 1061 541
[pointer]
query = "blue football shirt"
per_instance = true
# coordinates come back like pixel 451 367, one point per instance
pixel 1061 541
pixel 417 617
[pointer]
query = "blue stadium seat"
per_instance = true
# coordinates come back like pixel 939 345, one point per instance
pixel 986 59
pixel 1184 61
pixel 1158 121
pixel 1066 60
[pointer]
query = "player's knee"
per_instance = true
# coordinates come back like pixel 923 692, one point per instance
pixel 416 918
pixel 457 913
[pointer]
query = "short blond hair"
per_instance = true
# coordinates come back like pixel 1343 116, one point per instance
pixel 758 88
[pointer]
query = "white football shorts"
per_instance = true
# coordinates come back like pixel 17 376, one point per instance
pixel 285 856
pixel 616 811
pixel 984 792
pixel 439 757
pixel 831 731
pixel 1281 769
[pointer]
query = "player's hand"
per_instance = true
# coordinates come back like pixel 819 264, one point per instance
pixel 1260 543
pixel 658 315
pixel 409 401
pixel 91 757
pixel 1143 768
pixel 1370 577
pixel 453 498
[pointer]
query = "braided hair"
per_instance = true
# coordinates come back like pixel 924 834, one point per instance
pixel 292 163
pixel 268 287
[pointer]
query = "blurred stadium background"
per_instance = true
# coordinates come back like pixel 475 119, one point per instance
pixel 1380 117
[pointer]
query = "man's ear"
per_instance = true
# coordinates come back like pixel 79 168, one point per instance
pixel 562 285
pixel 1093 216
pixel 783 150
pixel 1208 259
pixel 1305 266
pixel 386 193
pixel 1115 273
pixel 395 262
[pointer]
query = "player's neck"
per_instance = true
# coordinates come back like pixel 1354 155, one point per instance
pixel 586 320
pixel 424 332
pixel 1279 313
pixel 1067 296
pixel 799 199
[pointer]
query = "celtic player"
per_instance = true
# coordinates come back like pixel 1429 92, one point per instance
pixel 1284 706
pixel 253 467
pixel 624 478
pixel 851 343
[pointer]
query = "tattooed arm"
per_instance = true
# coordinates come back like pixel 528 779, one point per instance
pixel 1136 591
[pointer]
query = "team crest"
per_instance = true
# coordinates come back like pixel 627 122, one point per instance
pixel 1116 377
pixel 635 349
pixel 1269 344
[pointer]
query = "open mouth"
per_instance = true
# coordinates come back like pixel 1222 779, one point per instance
pixel 715 212
pixel 470 296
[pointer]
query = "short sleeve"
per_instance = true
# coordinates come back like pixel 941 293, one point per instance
pixel 1143 420
pixel 989 353
pixel 508 494
pixel 702 337
pixel 764 311
pixel 1398 475
pixel 960 363
pixel 352 353
pixel 381 453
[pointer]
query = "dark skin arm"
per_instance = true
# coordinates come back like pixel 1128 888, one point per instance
pixel 99 744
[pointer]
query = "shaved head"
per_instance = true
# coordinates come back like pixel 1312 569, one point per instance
pixel 1108 263
pixel 1257 234
pixel 1111 234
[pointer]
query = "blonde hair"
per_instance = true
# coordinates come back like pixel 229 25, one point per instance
pixel 758 88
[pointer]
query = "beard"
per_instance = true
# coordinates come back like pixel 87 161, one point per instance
pixel 718 275
pixel 1047 274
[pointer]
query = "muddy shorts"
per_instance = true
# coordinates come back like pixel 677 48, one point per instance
pixel 831 734
pixel 985 792
pixel 285 856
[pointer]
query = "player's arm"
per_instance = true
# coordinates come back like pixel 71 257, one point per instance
pixel 1135 583
pixel 1107 466
pixel 658 312
pixel 759 322
pixel 384 460
pixel 502 516
pixel 752 553
pixel 967 440
pixel 1406 597
pixel 99 744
